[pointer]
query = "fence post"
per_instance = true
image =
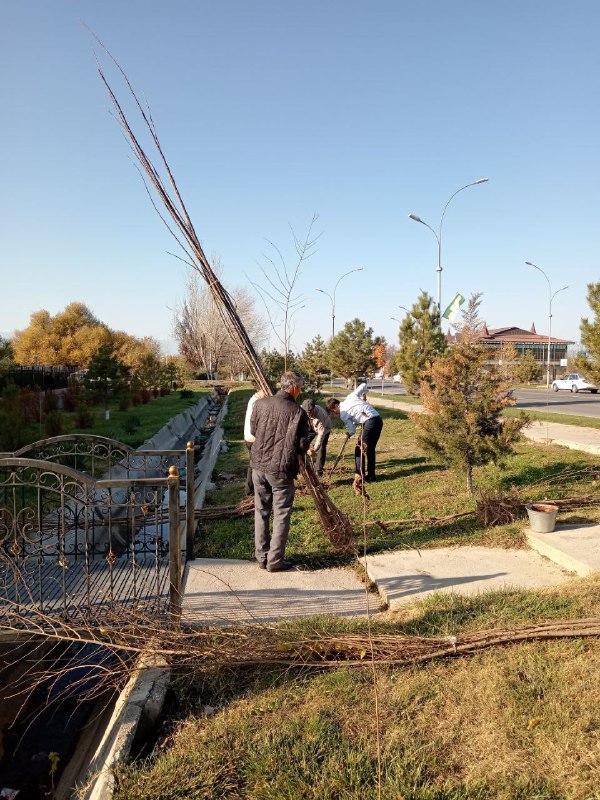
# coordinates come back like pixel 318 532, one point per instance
pixel 190 501
pixel 174 546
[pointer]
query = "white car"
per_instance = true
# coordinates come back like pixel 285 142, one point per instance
pixel 574 383
pixel 397 378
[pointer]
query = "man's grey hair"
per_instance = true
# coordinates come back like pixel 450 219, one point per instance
pixel 290 380
pixel 309 405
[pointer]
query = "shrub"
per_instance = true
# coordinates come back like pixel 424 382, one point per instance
pixel 155 392
pixel 49 404
pixel 29 403
pixel 124 402
pixel 53 423
pixel 84 418
pixel 69 400
pixel 186 394
pixel 164 390
pixel 146 395
pixel 131 423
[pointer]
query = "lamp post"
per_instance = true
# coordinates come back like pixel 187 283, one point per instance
pixel 332 299
pixel 438 236
pixel 550 299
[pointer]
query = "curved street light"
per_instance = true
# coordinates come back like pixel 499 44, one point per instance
pixel 438 235
pixel 551 298
pixel 332 298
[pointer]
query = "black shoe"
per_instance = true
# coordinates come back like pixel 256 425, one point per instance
pixel 370 479
pixel 261 564
pixel 283 566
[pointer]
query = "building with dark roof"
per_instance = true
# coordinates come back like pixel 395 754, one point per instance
pixel 524 341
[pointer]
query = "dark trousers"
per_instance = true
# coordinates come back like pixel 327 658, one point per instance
pixel 249 483
pixel 275 495
pixel 369 437
pixel 321 453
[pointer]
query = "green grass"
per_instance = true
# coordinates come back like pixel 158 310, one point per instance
pixel 409 485
pixel 150 418
pixel 516 723
pixel 563 419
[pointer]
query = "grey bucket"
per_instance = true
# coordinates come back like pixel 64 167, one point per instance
pixel 542 517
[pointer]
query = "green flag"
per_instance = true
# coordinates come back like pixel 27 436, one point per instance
pixel 454 307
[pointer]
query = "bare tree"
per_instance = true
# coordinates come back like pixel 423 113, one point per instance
pixel 280 284
pixel 204 341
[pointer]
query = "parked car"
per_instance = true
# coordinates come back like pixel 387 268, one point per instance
pixel 574 383
pixel 397 378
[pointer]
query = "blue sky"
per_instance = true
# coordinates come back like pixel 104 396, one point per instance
pixel 272 111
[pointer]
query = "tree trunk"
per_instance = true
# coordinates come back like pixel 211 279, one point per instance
pixel 470 479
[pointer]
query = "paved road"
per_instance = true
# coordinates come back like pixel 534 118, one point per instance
pixel 581 404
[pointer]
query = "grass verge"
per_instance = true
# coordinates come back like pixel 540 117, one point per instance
pixel 516 723
pixel 410 485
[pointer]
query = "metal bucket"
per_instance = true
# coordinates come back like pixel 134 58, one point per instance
pixel 542 517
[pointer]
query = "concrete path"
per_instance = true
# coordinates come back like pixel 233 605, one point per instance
pixel 572 436
pixel 405 576
pixel 224 592
pixel 572 547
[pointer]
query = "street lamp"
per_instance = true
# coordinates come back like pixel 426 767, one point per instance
pixel 551 298
pixel 332 298
pixel 438 236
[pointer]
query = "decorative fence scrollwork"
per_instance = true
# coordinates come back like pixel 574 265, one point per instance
pixel 74 545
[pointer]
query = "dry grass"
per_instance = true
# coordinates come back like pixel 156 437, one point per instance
pixel 517 723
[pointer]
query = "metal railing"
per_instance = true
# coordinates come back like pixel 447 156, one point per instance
pixel 73 545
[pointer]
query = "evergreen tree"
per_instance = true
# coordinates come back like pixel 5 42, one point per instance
pixel 7 361
pixel 589 364
pixel 105 374
pixel 274 363
pixel 352 350
pixel 528 370
pixel 314 364
pixel 421 340
pixel 464 401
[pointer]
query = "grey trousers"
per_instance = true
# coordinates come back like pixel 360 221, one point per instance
pixel 276 495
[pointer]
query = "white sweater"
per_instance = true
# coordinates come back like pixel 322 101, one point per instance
pixel 356 411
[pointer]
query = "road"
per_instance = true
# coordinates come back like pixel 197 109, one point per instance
pixel 582 404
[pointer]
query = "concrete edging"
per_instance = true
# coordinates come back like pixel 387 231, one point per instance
pixel 139 705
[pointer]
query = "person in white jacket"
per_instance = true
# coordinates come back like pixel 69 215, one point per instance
pixel 353 411
pixel 249 438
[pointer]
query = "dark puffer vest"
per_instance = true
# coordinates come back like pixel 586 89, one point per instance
pixel 281 430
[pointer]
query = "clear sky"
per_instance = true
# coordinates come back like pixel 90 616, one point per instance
pixel 271 110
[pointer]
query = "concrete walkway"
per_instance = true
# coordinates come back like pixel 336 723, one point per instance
pixel 227 591
pixel 572 436
pixel 407 575
pixel 572 547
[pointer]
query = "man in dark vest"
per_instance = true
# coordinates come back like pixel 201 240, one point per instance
pixel 281 433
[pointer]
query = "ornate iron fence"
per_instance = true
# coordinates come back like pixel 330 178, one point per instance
pixel 101 457
pixel 74 545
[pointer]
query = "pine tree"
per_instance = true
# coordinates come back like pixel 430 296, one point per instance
pixel 352 350
pixel 528 370
pixel 314 363
pixel 590 336
pixel 464 400
pixel 421 340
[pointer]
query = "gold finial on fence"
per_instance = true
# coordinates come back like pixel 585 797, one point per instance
pixel 190 445
pixel 173 472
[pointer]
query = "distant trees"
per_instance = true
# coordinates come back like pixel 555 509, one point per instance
pixel 7 360
pixel 589 364
pixel 274 364
pixel 70 338
pixel 464 399
pixel 73 337
pixel 420 340
pixel 351 350
pixel 204 340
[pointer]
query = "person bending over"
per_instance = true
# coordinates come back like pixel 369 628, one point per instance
pixel 353 411
pixel 321 427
